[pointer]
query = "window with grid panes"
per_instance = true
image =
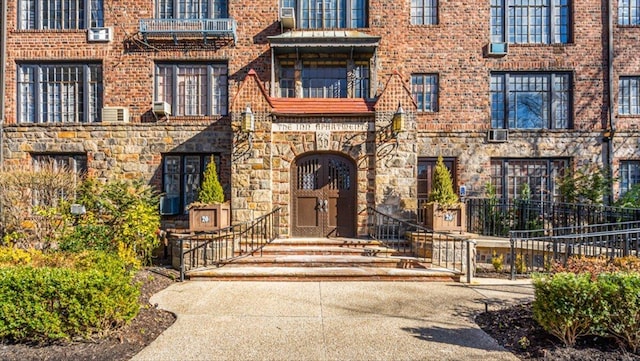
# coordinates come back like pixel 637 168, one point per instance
pixel 530 100
pixel 530 21
pixel 509 176
pixel 424 12
pixel 191 9
pixel 326 14
pixel 329 79
pixel 192 89
pixel 629 12
pixel 629 95
pixel 60 14
pixel 182 176
pixel 58 162
pixel 59 93
pixel 629 175
pixel 424 88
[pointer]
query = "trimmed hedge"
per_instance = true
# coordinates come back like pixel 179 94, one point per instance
pixel 566 305
pixel 48 303
pixel 570 305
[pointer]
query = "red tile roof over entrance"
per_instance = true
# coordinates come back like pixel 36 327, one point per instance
pixel 325 106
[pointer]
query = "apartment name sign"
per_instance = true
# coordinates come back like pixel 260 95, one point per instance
pixel 322 127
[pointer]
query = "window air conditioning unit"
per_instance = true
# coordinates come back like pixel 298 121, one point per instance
pixel 169 205
pixel 287 17
pixel 161 108
pixel 115 115
pixel 497 49
pixel 497 135
pixel 100 34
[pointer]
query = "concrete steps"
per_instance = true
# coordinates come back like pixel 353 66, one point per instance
pixel 324 259
pixel 323 274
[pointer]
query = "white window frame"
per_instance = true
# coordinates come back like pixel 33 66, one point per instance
pixel 629 95
pixel 629 12
pixel 424 12
pixel 34 14
pixel 207 85
pixel 73 96
pixel 424 88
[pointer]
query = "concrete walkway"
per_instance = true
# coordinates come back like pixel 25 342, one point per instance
pixel 331 320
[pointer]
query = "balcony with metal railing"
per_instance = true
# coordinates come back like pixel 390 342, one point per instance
pixel 188 28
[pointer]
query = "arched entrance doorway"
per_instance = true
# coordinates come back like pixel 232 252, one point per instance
pixel 323 194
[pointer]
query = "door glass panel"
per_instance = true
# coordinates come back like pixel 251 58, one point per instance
pixel 308 174
pixel 191 178
pixel 339 177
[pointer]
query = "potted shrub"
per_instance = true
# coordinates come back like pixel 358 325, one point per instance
pixel 444 212
pixel 209 212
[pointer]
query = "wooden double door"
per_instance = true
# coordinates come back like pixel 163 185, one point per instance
pixel 323 196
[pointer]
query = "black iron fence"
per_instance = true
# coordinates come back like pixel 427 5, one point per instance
pixel 216 248
pixel 439 249
pixel 497 217
pixel 538 250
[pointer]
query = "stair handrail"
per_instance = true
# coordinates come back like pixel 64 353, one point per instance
pixel 214 248
pixel 447 250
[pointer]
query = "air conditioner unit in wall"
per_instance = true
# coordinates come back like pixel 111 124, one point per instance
pixel 497 135
pixel 99 34
pixel 115 115
pixel 287 17
pixel 161 109
pixel 497 49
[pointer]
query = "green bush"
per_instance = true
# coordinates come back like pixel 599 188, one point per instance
pixel 41 304
pixel 497 260
pixel 567 305
pixel 210 191
pixel 621 295
pixel 118 213
pixel 442 185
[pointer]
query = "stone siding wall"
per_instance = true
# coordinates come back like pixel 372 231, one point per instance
pixel 257 173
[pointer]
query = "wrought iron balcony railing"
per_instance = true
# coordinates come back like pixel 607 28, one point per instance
pixel 186 28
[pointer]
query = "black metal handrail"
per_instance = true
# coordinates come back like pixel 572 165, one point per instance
pixel 497 217
pixel 219 247
pixel 536 251
pixel 441 249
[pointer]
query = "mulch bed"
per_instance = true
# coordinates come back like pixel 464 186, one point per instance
pixel 122 344
pixel 515 329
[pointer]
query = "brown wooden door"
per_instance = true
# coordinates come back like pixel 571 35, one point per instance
pixel 323 196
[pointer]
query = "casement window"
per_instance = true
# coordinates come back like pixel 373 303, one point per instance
pixel 192 89
pixel 426 167
pixel 629 12
pixel 530 21
pixel 424 12
pixel 324 14
pixel 330 79
pixel 424 88
pixel 60 14
pixel 182 177
pixel 531 100
pixel 59 93
pixel 74 163
pixel 191 9
pixel 629 175
pixel 629 95
pixel 509 176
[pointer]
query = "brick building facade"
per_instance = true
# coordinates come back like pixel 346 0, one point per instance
pixel 507 92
